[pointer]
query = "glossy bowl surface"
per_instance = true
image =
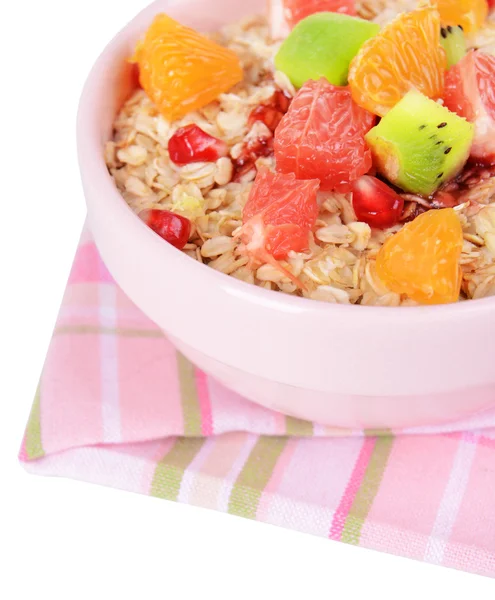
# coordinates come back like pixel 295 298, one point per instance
pixel 350 366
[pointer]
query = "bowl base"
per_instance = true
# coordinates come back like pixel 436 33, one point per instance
pixel 346 411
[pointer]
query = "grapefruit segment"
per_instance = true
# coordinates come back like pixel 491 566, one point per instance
pixel 470 92
pixel 277 218
pixel 297 10
pixel 322 137
pixel 283 15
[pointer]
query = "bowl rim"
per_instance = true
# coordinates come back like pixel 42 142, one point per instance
pixel 92 165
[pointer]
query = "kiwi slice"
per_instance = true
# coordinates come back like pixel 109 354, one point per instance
pixel 419 144
pixel 454 43
pixel 323 45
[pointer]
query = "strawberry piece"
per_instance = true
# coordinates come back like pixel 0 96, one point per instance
pixel 191 144
pixel 375 203
pixel 173 228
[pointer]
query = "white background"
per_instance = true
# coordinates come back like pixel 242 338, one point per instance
pixel 66 540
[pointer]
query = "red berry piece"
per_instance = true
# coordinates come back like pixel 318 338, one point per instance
pixel 191 144
pixel 376 203
pixel 173 228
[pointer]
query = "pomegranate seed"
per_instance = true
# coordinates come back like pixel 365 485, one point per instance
pixel 261 146
pixel 376 203
pixel 173 228
pixel 192 144
pixel 270 116
pixel 282 101
pixel 443 200
pixel 272 112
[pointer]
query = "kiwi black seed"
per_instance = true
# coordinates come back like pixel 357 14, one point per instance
pixel 454 43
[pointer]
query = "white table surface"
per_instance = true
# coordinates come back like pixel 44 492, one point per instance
pixel 67 540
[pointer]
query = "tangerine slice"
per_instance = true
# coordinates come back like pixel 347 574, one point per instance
pixel 406 54
pixel 470 14
pixel 422 259
pixel 182 70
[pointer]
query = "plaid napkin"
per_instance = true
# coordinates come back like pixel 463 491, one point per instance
pixel 118 406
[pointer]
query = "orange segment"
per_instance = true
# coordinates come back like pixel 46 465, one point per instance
pixel 471 14
pixel 422 259
pixel 405 54
pixel 182 70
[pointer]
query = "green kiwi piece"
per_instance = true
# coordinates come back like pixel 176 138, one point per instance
pixel 419 144
pixel 323 45
pixel 454 43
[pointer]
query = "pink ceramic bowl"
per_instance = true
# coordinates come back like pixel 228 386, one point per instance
pixel 349 366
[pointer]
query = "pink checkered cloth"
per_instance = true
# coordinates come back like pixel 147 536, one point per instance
pixel 118 406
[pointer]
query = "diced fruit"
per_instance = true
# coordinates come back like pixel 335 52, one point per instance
pixel 323 45
pixel 192 144
pixel 420 144
pixel 278 216
pixel 182 70
pixel 422 259
pixel 322 137
pixel 258 144
pixel 271 112
pixel 470 92
pixel 173 228
pixel 406 54
pixel 470 14
pixel 297 10
pixel 283 15
pixel 375 203
pixel 454 43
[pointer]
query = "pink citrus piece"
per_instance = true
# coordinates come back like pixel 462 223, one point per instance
pixel 322 136
pixel 278 217
pixel 284 14
pixel 470 92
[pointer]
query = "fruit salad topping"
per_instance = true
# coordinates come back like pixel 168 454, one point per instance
pixel 322 136
pixel 347 147
pixel 173 228
pixel 181 70
pixel 191 144
pixel 270 113
pixel 278 217
pixel 376 203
